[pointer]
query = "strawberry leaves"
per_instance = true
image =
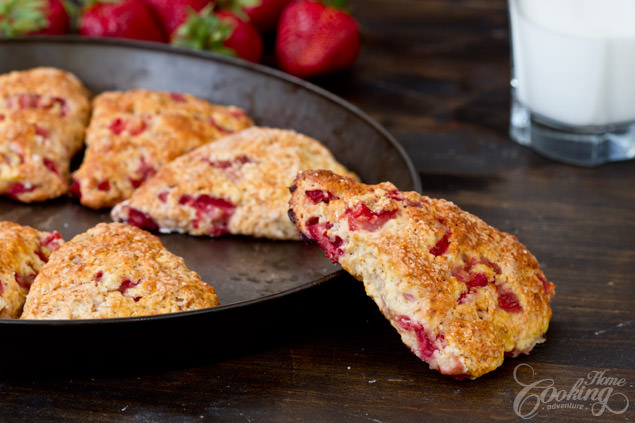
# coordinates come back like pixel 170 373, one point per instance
pixel 238 6
pixel 72 9
pixel 222 32
pixel 19 17
pixel 204 31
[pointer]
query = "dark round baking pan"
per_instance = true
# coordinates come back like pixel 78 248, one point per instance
pixel 254 279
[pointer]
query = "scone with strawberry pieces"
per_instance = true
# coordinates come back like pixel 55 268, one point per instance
pixel 115 270
pixel 43 115
pixel 23 252
pixel 132 134
pixel 236 185
pixel 461 294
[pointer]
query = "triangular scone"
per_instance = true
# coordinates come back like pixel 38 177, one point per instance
pixel 115 270
pixel 461 294
pixel 23 252
pixel 43 115
pixel 133 133
pixel 237 185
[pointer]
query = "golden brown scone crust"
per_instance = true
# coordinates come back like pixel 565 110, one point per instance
pixel 115 270
pixel 460 293
pixel 133 133
pixel 237 185
pixel 23 252
pixel 43 115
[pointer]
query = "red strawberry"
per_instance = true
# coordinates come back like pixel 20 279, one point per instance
pixel 58 22
pixel 173 13
pixel 315 39
pixel 245 39
pixel 33 17
pixel 263 14
pixel 223 33
pixel 131 19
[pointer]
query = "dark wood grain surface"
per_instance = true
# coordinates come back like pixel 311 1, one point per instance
pixel 434 73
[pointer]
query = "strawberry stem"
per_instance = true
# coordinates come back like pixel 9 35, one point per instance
pixel 237 7
pixel 86 4
pixel 72 10
pixel 338 4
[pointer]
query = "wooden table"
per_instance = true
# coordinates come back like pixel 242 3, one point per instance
pixel 434 73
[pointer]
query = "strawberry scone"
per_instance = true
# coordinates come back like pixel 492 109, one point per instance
pixel 115 270
pixel 236 185
pixel 43 115
pixel 461 294
pixel 132 134
pixel 23 252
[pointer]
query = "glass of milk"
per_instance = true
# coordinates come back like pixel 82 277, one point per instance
pixel 573 78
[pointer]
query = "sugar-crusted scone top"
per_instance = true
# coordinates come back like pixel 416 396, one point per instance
pixel 43 115
pixel 115 270
pixel 133 133
pixel 23 252
pixel 238 184
pixel 460 293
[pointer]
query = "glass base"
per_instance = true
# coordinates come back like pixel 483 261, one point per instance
pixel 584 146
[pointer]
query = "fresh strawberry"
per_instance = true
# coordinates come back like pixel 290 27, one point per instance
pixel 245 39
pixel 173 13
pixel 131 19
pixel 33 17
pixel 223 32
pixel 263 14
pixel 58 21
pixel 315 38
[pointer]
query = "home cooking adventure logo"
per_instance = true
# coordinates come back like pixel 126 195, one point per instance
pixel 597 392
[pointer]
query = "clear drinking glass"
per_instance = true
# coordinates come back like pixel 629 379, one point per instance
pixel 573 78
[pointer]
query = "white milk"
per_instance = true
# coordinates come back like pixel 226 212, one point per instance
pixel 574 60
